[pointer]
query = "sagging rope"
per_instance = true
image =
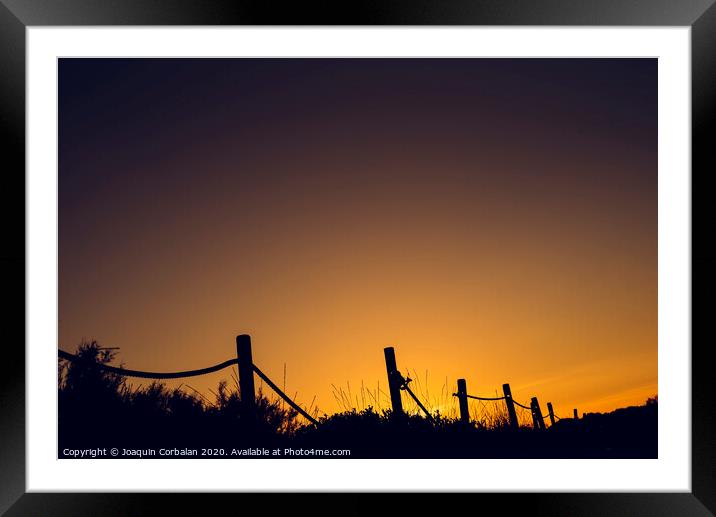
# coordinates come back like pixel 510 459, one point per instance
pixel 145 375
pixel 522 405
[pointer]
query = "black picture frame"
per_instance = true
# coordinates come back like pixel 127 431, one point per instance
pixel 17 15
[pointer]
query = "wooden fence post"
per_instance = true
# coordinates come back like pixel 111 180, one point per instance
pixel 393 381
pixel 511 413
pixel 551 413
pixel 537 419
pixel 576 415
pixel 246 377
pixel 462 397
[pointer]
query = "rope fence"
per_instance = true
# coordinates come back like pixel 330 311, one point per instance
pixel 180 375
pixel 483 410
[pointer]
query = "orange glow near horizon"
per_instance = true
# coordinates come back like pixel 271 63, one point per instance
pixel 517 255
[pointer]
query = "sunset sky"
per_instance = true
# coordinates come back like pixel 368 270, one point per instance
pixel 492 219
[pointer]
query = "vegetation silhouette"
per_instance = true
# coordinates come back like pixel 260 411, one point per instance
pixel 99 409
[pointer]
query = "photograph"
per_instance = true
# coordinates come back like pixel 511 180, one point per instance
pixel 357 258
pixel 453 249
